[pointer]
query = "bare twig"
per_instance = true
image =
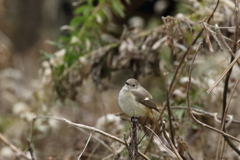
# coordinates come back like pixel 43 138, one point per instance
pixel 93 156
pixel 149 142
pixel 214 115
pixel 175 78
pixel 225 43
pixel 232 27
pixel 14 148
pixel 117 152
pixel 90 136
pixel 223 148
pixel 125 140
pixel 170 142
pixel 97 139
pixel 170 152
pixel 169 113
pixel 217 33
pixel 98 131
pixel 93 151
pixel 92 129
pixel 225 106
pixel 224 73
pixel 220 146
pixel 214 129
pixel 189 107
pixel 223 127
pixel 230 98
pixel 30 149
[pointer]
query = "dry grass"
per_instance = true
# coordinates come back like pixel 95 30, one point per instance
pixel 190 65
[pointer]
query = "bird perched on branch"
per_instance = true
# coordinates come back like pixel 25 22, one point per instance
pixel 136 101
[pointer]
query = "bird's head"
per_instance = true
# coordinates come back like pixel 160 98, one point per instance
pixel 131 84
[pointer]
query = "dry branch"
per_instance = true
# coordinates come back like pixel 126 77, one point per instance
pixel 173 154
pixel 189 107
pixel 133 147
pixel 224 73
pixel 14 148
pixel 79 157
pixel 101 132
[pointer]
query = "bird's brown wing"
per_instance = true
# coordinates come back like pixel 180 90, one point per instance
pixel 146 101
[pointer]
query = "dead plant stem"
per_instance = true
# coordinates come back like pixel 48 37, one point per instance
pixel 189 107
pixel 100 132
pixel 225 91
pixel 133 147
pixel 13 147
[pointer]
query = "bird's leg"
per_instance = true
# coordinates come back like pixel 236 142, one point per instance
pixel 134 119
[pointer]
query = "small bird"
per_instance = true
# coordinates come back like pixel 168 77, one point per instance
pixel 136 101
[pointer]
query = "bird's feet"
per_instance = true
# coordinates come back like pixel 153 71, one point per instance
pixel 134 120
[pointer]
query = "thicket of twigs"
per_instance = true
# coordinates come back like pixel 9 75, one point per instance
pixel 189 62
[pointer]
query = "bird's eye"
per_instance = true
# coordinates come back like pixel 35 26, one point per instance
pixel 133 85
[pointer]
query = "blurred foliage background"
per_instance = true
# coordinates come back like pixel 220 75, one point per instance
pixel 70 58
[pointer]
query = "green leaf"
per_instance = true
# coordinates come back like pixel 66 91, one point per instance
pixel 90 2
pixel 46 54
pixel 76 21
pixel 118 8
pixel 203 3
pixel 70 58
pixel 53 43
pixel 64 39
pixel 101 1
pixel 58 71
pixel 80 9
pixel 87 11
pixel 180 114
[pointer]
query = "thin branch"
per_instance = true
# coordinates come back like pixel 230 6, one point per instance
pixel 125 140
pixel 85 145
pixel 219 147
pixel 14 148
pixel 116 153
pixel 149 142
pixel 216 27
pixel 169 114
pixel 232 27
pixel 93 151
pixel 189 107
pixel 214 129
pixel 225 43
pixel 175 78
pixel 100 132
pixel 225 106
pixel 224 73
pixel 97 139
pixel 170 142
pixel 223 148
pixel 30 149
pixel 170 152
pixel 230 98
pixel 214 115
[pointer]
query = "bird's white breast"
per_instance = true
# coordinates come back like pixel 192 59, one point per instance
pixel 129 105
